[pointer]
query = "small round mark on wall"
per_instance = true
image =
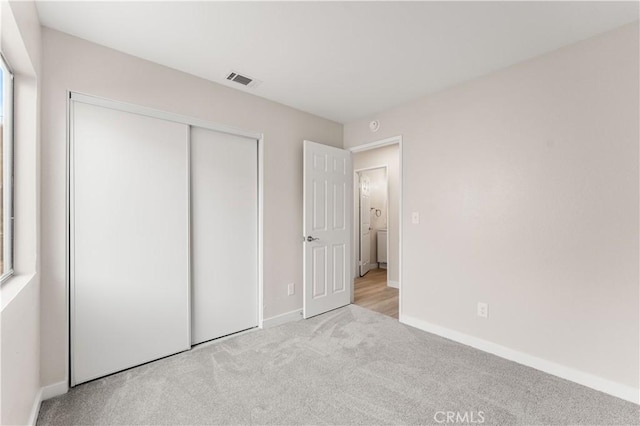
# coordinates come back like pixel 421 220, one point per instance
pixel 374 125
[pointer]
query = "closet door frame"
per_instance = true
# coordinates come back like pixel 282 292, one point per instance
pixel 72 98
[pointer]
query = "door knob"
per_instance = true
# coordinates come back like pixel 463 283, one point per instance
pixel 310 238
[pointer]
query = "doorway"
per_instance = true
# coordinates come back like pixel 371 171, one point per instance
pixel 377 224
pixel 372 218
pixel 330 227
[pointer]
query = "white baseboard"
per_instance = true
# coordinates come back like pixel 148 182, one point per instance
pixel 616 389
pixel 282 318
pixel 35 410
pixel 54 390
pixel 43 394
pixel 394 284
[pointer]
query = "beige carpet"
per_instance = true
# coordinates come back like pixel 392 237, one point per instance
pixel 349 366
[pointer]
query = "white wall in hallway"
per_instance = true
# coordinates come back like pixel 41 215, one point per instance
pixel 378 194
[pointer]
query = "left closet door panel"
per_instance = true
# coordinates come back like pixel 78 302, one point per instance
pixel 129 265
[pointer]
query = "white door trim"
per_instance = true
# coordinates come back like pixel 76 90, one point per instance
pixel 71 97
pixel 382 166
pixel 379 144
pixel 261 231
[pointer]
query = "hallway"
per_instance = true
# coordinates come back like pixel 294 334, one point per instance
pixel 371 292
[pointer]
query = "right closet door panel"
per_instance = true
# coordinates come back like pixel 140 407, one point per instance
pixel 224 229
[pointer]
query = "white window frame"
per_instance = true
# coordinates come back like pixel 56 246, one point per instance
pixel 7 170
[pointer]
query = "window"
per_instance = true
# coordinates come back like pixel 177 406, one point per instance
pixel 6 172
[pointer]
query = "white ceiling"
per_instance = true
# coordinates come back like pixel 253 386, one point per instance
pixel 340 60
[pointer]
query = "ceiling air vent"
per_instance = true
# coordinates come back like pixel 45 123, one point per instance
pixel 242 79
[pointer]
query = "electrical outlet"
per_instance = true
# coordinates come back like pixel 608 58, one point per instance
pixel 291 289
pixel 483 310
pixel 415 218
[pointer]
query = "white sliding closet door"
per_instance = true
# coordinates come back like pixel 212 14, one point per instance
pixel 224 227
pixel 129 240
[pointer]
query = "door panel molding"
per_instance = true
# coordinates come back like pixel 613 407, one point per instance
pixel 327 211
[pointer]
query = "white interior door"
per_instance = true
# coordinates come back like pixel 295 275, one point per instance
pixel 365 225
pixel 327 228
pixel 224 211
pixel 129 240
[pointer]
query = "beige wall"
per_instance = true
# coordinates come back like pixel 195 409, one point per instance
pixel 73 64
pixel 386 156
pixel 527 185
pixel 20 295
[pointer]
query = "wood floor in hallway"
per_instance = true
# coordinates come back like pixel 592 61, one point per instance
pixel 372 292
